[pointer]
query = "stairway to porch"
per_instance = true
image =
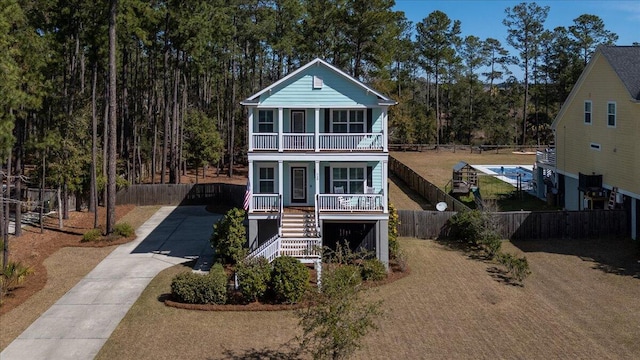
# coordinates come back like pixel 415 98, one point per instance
pixel 299 224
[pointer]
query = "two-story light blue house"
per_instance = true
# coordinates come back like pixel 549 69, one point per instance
pixel 317 164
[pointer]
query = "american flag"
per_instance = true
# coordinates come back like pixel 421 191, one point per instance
pixel 247 196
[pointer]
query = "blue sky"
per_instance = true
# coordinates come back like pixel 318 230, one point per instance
pixel 484 18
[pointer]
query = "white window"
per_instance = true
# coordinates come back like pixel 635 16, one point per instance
pixel 587 112
pixel 265 121
pixel 348 121
pixel 611 114
pixel 351 179
pixel 266 180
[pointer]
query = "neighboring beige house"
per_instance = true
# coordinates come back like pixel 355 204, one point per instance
pixel 598 136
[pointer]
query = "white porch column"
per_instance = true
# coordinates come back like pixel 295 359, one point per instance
pixel 385 189
pixel 317 178
pixel 385 129
pixel 280 128
pixel 250 180
pixel 281 180
pixel 250 142
pixel 317 134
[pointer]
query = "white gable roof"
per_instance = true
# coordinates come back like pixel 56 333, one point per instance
pixel 383 100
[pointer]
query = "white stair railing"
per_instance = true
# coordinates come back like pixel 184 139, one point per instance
pixel 269 250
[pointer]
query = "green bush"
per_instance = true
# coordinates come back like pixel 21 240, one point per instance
pixel 92 235
pixel 192 288
pixel 517 267
pixel 467 226
pixel 394 221
pixel 491 243
pixel 229 237
pixel 340 279
pixel 253 278
pixel 123 229
pixel 373 270
pixel 289 279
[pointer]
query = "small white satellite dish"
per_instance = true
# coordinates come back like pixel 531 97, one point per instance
pixel 441 206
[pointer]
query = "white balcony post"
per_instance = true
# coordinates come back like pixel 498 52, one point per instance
pixel 250 129
pixel 384 131
pixel 250 180
pixel 385 186
pixel 280 128
pixel 317 133
pixel 281 179
pixel 317 178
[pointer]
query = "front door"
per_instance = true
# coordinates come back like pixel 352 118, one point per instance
pixel 297 121
pixel 299 185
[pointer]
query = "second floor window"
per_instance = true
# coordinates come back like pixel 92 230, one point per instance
pixel 267 180
pixel 265 121
pixel 587 112
pixel 611 114
pixel 348 121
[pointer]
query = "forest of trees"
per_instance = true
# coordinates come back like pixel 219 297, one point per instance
pixel 111 92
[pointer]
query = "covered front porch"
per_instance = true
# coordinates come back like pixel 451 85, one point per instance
pixel 322 186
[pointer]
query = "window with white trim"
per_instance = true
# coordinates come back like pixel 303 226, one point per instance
pixel 587 112
pixel 351 179
pixel 348 121
pixel 611 114
pixel 265 121
pixel 266 180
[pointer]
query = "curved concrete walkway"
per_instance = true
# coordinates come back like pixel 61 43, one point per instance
pixel 79 324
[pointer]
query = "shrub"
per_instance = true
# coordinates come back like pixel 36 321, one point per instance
pixel 289 279
pixel 92 235
pixel 253 278
pixel 467 226
pixel 491 243
pixel 517 267
pixel 123 229
pixel 229 237
pixel 192 288
pixel 394 221
pixel 11 276
pixel 373 270
pixel 338 278
pixel 402 260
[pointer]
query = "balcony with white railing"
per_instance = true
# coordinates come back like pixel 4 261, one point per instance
pixel 547 157
pixel 325 142
pixel 301 249
pixel 265 202
pixel 350 203
pixel 350 142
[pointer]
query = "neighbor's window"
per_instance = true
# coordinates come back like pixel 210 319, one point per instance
pixel 587 112
pixel 265 121
pixel 350 179
pixel 267 180
pixel 348 121
pixel 611 114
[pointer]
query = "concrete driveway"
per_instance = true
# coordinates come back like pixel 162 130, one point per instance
pixel 79 324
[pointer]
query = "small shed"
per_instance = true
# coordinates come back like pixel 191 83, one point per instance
pixel 465 176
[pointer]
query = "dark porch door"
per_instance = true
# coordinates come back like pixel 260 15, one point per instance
pixel 299 185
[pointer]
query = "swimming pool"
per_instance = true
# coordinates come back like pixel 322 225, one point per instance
pixel 510 173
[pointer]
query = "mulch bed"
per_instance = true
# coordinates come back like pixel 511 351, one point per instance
pixel 394 275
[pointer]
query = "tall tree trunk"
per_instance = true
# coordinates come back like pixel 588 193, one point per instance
pixel 93 188
pixel 19 149
pixel 167 119
pixel 113 126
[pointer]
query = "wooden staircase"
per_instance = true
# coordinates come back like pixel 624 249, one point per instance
pixel 612 198
pixel 299 225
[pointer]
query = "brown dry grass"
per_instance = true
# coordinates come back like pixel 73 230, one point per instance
pixel 450 306
pixel 60 261
pixel 437 166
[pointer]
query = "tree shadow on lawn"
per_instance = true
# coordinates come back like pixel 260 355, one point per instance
pixel 502 276
pixel 620 256
pixel 287 352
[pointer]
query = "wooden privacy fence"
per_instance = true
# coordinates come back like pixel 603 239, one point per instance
pixel 422 186
pixel 524 225
pixel 181 194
